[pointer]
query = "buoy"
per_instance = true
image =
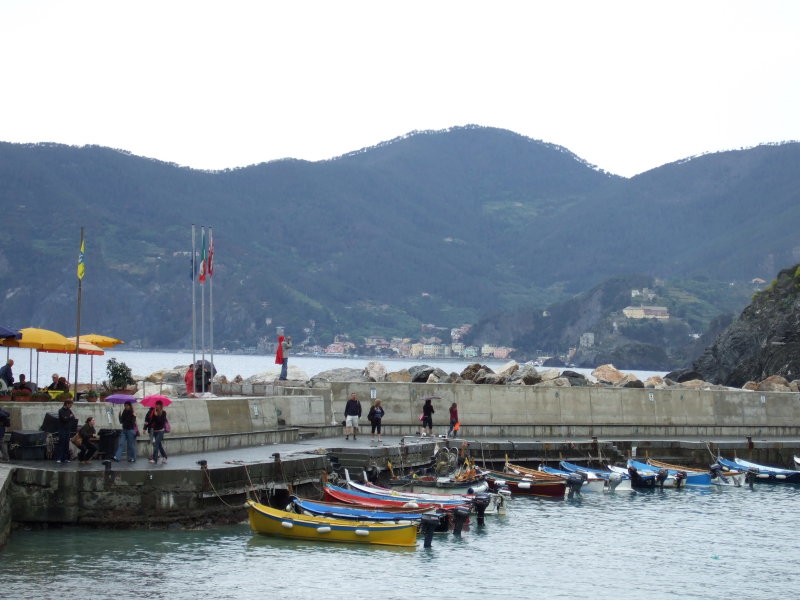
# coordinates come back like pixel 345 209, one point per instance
pixel 410 505
pixel 323 529
pixel 287 524
pixel 779 476
pixel 362 532
pixel 524 486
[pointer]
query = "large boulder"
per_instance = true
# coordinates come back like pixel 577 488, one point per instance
pixel 508 369
pixel 292 374
pixel 629 381
pixel 655 382
pixel 167 375
pixel 683 375
pixel 549 374
pixel 608 374
pixel 470 370
pixel 774 383
pixel 343 374
pixel 527 375
pixel 402 376
pixel 420 373
pixel 575 379
pixel 375 371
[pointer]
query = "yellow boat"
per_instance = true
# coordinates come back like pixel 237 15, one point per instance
pixel 271 521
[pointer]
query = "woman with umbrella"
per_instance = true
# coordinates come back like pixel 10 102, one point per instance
pixel 156 421
pixel 129 432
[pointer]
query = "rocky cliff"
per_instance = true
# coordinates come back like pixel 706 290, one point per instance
pixel 763 341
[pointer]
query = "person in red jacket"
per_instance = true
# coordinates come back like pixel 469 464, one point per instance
pixel 189 380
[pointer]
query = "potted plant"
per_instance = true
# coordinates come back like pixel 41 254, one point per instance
pixel 91 396
pixel 119 375
pixel 5 396
pixel 40 397
pixel 21 395
pixel 64 396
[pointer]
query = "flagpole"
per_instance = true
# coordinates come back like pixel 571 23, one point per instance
pixel 81 269
pixel 194 301
pixel 209 265
pixel 203 308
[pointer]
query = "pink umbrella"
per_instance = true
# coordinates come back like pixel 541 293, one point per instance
pixel 150 401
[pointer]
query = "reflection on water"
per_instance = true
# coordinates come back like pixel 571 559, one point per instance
pixel 659 544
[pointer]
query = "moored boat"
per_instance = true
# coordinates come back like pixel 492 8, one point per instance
pixel 715 472
pixel 335 493
pixel 520 485
pixel 614 481
pixel 590 484
pixel 266 520
pixel 435 484
pixel 353 512
pixel 761 473
pixel 675 477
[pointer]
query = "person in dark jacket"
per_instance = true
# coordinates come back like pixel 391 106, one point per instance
pixel 352 411
pixel 66 419
pixel 375 416
pixel 87 435
pixel 157 423
pixel 7 374
pixel 427 418
pixel 127 438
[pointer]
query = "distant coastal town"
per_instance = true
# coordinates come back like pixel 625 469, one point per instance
pixel 431 344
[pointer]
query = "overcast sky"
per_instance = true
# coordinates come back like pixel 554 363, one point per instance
pixel 626 85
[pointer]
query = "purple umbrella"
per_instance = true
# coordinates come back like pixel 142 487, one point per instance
pixel 120 399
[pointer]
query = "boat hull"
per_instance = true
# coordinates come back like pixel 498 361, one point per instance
pixel 526 487
pixel 265 520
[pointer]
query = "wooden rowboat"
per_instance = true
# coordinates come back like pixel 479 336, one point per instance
pixel 525 486
pixel 270 521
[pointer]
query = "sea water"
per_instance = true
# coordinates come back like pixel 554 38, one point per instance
pixel 144 363
pixel 659 544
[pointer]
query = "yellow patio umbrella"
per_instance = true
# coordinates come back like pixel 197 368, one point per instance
pixel 104 341
pixel 39 339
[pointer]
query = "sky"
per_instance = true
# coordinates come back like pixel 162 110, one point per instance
pixel 625 85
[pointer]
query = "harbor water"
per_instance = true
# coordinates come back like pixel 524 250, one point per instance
pixel 662 544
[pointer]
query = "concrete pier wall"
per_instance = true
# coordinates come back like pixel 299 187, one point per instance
pixel 484 410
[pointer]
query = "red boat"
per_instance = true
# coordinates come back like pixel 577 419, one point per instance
pixel 336 494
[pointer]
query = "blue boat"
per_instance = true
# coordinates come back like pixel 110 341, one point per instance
pixel 675 478
pixel 760 473
pixel 350 512
pixel 619 482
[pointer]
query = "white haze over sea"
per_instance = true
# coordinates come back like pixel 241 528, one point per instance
pixel 143 363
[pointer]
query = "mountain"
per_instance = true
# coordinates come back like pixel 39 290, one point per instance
pixel 763 341
pixel 433 227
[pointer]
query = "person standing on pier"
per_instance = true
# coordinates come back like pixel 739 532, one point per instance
pixel 188 379
pixel 65 420
pixel 352 411
pixel 158 425
pixel 453 420
pixel 374 416
pixel 282 355
pixel 127 439
pixel 427 417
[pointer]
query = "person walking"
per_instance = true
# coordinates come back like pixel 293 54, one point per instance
pixel 158 425
pixel 282 355
pixel 453 420
pixel 374 416
pixel 427 418
pixel 66 419
pixel 7 375
pixel 352 411
pixel 87 435
pixel 127 438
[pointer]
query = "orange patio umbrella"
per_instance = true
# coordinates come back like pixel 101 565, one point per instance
pixel 104 341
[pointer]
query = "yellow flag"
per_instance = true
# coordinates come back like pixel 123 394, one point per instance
pixel 81 267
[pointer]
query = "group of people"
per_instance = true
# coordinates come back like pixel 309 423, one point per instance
pixel 155 422
pixel 7 380
pixel 352 412
pixel 197 379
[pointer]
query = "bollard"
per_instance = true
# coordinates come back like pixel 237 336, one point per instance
pixel 481 501
pixel 429 524
pixel 461 514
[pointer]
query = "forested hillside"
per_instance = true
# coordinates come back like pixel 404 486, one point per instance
pixel 434 227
